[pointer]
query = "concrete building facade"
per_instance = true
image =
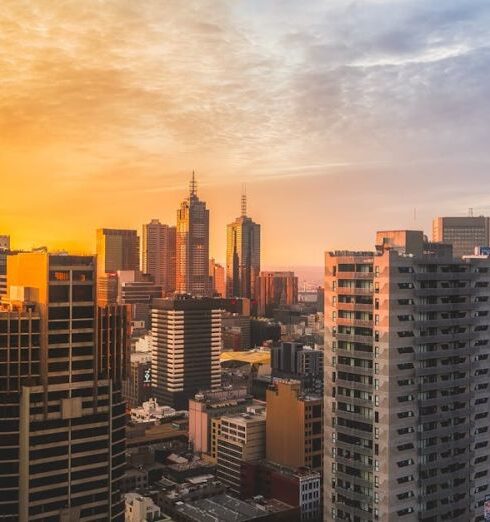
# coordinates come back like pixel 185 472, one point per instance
pixel 406 395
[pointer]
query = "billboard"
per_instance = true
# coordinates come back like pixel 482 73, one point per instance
pixel 147 377
pixel 482 250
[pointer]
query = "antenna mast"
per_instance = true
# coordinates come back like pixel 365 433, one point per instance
pixel 244 200
pixel 193 184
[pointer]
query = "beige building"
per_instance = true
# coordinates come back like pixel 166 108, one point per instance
pixel 158 254
pixel 464 233
pixel 406 383
pixel 209 405
pixel 241 438
pixel 294 426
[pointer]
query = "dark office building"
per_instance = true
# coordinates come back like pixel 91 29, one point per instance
pixel 186 337
pixel 62 360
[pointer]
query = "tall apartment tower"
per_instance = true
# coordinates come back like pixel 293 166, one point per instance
pixel 159 243
pixel 62 442
pixel 116 250
pixel 186 345
pixel 464 233
pixel 242 255
pixel 192 257
pixel 406 383
pixel 275 289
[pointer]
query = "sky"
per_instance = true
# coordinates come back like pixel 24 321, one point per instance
pixel 341 117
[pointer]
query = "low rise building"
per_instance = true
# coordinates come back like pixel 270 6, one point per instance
pixel 241 438
pixel 211 404
pixel 143 509
pixel 299 487
pixel 137 387
pixel 151 411
pixel 225 508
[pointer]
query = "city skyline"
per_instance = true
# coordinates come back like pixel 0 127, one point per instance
pixel 320 120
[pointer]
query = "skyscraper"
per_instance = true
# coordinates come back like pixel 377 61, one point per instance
pixel 192 257
pixel 217 274
pixel 275 289
pixel 406 383
pixel 186 345
pixel 159 254
pixel 62 442
pixel 116 250
pixel 242 255
pixel 464 233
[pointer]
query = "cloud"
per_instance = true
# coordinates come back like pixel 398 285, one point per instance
pixel 121 97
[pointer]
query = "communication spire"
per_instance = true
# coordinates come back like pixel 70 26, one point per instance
pixel 193 184
pixel 244 201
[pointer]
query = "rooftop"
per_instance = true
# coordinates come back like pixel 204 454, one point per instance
pixel 224 508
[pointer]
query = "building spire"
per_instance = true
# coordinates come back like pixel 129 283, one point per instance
pixel 193 184
pixel 244 200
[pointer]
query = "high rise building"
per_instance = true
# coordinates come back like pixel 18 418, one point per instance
pixel 297 361
pixel 186 345
pixel 159 244
pixel 406 383
pixel 275 289
pixel 294 426
pixel 217 275
pixel 116 250
pixel 62 442
pixel 138 291
pixel 242 255
pixel 464 233
pixel 192 240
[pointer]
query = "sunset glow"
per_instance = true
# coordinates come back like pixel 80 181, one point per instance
pixel 106 107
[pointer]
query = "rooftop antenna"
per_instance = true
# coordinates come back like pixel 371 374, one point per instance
pixel 244 200
pixel 470 212
pixel 193 184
